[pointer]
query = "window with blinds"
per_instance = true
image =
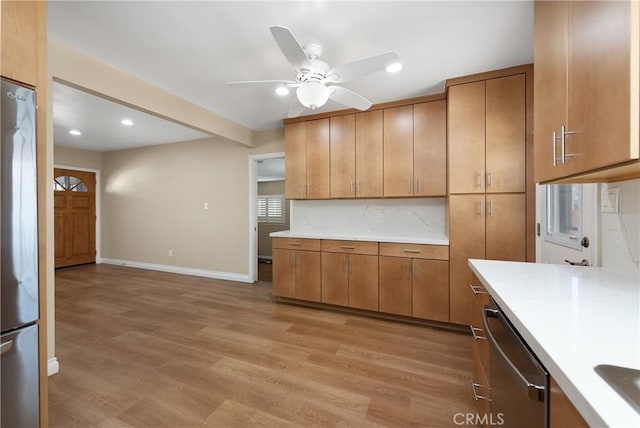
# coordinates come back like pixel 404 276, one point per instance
pixel 271 209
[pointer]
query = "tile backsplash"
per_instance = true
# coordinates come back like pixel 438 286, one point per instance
pixel 410 218
pixel 620 232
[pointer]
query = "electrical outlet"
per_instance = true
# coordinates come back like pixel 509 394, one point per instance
pixel 170 253
pixel 610 200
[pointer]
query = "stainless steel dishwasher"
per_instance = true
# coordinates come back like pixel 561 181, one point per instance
pixel 519 383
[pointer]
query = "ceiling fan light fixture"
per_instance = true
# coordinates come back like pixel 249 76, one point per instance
pixel 282 91
pixel 394 67
pixel 313 95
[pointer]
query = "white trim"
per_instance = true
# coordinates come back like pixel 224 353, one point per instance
pixel 98 203
pixel 253 218
pixel 265 257
pixel 177 269
pixel 52 366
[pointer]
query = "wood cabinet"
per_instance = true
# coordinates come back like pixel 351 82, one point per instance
pixel 415 150
pixel 487 133
pixel 350 274
pixel 296 269
pixel 482 227
pixel 343 156
pixel 412 284
pixel 307 160
pixel 481 349
pixel 19 33
pixel 369 137
pixel 586 90
pixel 562 413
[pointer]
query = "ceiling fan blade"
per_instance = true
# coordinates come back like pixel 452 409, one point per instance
pixel 362 67
pixel 296 108
pixel 348 98
pixel 289 83
pixel 290 47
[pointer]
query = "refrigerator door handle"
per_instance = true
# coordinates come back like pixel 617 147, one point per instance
pixel 6 347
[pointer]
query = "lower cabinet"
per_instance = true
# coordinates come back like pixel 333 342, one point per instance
pixel 296 272
pixel 562 412
pixel 480 383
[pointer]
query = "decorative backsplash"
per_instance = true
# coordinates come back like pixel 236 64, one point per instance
pixel 395 218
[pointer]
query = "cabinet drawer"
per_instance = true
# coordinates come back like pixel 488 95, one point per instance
pixel 354 247
pixel 416 251
pixel 296 244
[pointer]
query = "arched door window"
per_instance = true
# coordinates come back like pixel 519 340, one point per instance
pixel 69 183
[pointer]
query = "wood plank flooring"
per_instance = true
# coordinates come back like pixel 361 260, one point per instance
pixel 139 348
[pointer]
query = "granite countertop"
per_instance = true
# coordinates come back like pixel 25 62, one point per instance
pixel 573 318
pixel 399 239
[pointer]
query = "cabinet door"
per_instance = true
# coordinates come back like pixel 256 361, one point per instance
pixel 430 149
pixel 506 230
pixel 395 285
pixel 308 276
pixel 363 282
pixel 18 39
pixel 318 159
pixel 284 273
pixel 599 66
pixel 335 278
pixel 295 165
pixel 431 289
pixel 505 134
pixel 343 156
pixel 369 154
pixel 466 132
pixel 466 241
pixel 549 86
pixel 398 151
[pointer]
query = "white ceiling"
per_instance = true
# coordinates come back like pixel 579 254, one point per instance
pixel 98 120
pixel 192 48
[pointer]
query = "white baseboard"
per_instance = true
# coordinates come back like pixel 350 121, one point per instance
pixel 52 366
pixel 176 269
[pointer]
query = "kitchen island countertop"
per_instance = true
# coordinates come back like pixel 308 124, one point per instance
pixel 573 318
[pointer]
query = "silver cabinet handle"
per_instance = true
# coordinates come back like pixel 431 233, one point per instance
pixel 478 396
pixel 564 133
pixel 351 188
pixel 291 263
pixel 294 244
pixel 297 260
pixel 477 289
pixel 349 265
pixel 480 179
pixel 480 208
pixel 489 179
pixel 410 185
pixel 344 264
pixel 477 336
pixel 554 138
pixel 6 347
pixel 417 186
pixel 416 272
pixel 412 251
pixel 490 208
pixel 348 247
pixel 358 187
pixel 407 271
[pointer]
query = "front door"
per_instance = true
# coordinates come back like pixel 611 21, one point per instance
pixel 75 217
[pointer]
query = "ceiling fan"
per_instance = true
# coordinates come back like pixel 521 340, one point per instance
pixel 314 81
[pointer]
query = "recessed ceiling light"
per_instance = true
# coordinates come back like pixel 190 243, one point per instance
pixel 75 132
pixel 394 68
pixel 283 91
pixel 127 122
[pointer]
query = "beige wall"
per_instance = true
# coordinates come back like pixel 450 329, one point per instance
pixel 67 156
pixel 264 229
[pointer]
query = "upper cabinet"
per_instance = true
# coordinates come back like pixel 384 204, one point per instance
pixel 19 32
pixel 487 132
pixel 398 151
pixel 587 76
pixel 307 159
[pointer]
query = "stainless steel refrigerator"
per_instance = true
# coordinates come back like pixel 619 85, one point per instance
pixel 19 259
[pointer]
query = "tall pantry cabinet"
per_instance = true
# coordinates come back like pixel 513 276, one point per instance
pixel 487 144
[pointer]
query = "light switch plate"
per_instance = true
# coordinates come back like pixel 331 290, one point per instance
pixel 610 200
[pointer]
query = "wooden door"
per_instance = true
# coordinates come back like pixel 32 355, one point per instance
pixel 308 276
pixel 550 85
pixel 505 227
pixel 369 153
pixel 398 151
pixel 466 133
pixel 430 149
pixel 343 156
pixel 505 134
pixel 395 285
pixel 431 289
pixel 295 162
pixel 466 241
pixel 18 36
pixel 363 282
pixel 599 67
pixel 74 217
pixel 318 159
pixel 335 278
pixel 284 273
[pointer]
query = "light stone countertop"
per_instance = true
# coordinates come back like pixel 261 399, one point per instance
pixel 402 240
pixel 573 318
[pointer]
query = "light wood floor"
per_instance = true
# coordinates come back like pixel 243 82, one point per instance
pixel 139 348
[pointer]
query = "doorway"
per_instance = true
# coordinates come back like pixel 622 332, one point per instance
pixel 74 202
